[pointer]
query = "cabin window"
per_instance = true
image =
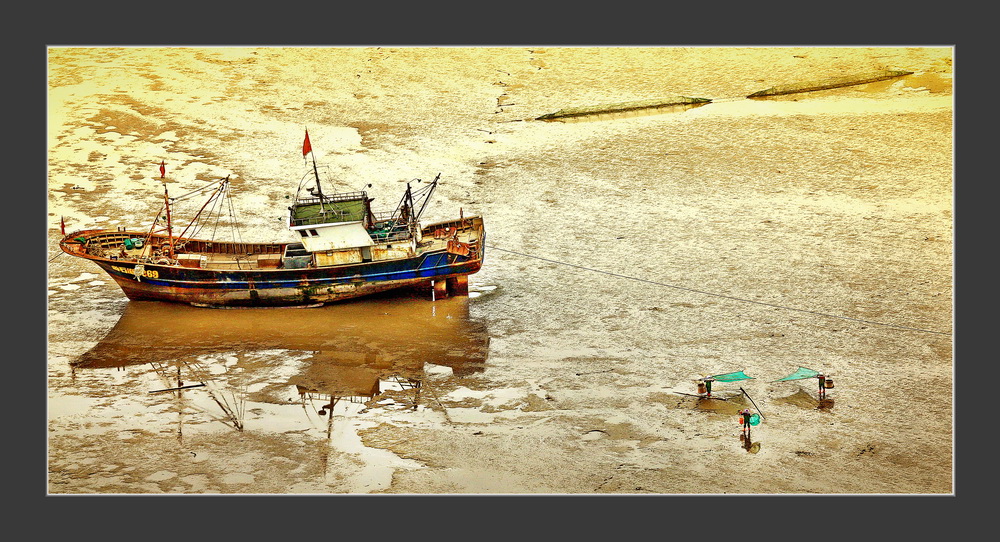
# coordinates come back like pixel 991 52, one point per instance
pixel 314 233
pixel 302 233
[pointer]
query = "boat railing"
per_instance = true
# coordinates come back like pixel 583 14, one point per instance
pixel 390 236
pixel 323 217
pixel 389 228
pixel 466 223
pixel 323 214
pixel 333 198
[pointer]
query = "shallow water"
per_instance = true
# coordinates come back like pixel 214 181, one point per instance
pixel 629 255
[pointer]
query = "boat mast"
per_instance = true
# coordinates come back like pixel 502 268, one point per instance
pixel 308 146
pixel 408 205
pixel 319 189
pixel 219 194
pixel 170 234
pixel 427 196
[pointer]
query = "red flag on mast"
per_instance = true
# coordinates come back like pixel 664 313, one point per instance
pixel 62 224
pixel 163 169
pixel 306 146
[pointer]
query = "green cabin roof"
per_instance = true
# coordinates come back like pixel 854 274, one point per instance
pixel 332 209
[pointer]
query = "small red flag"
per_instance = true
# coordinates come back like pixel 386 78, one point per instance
pixel 306 146
pixel 163 169
pixel 62 225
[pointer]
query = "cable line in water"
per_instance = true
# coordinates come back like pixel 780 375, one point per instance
pixel 703 292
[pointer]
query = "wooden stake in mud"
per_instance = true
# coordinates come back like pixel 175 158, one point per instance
pixel 189 386
pixel 751 400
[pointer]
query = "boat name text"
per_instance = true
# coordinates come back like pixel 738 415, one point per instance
pixel 150 273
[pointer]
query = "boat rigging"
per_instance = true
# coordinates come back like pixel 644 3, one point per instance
pixel 345 249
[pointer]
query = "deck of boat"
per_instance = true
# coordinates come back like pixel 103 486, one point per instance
pixel 463 236
pixel 440 235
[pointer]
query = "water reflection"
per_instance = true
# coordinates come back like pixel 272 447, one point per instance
pixel 803 399
pixel 728 406
pixel 748 444
pixel 353 351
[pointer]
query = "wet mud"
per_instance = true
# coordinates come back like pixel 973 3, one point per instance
pixel 627 257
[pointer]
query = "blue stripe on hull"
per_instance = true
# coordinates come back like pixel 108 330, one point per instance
pixel 263 287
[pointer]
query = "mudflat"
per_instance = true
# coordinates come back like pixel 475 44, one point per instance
pixel 628 255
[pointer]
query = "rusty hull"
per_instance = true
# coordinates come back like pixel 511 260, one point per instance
pixel 266 286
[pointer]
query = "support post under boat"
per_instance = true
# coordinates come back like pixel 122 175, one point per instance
pixel 439 289
pixel 449 287
pixel 458 285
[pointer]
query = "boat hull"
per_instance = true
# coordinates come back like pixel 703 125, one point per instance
pixel 281 287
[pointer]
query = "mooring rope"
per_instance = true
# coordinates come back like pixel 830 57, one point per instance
pixel 724 296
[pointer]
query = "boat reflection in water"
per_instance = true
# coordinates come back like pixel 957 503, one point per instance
pixel 354 350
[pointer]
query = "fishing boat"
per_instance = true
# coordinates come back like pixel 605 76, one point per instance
pixel 344 250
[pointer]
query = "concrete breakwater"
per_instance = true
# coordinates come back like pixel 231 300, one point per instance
pixel 832 82
pixel 683 102
pixel 622 107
